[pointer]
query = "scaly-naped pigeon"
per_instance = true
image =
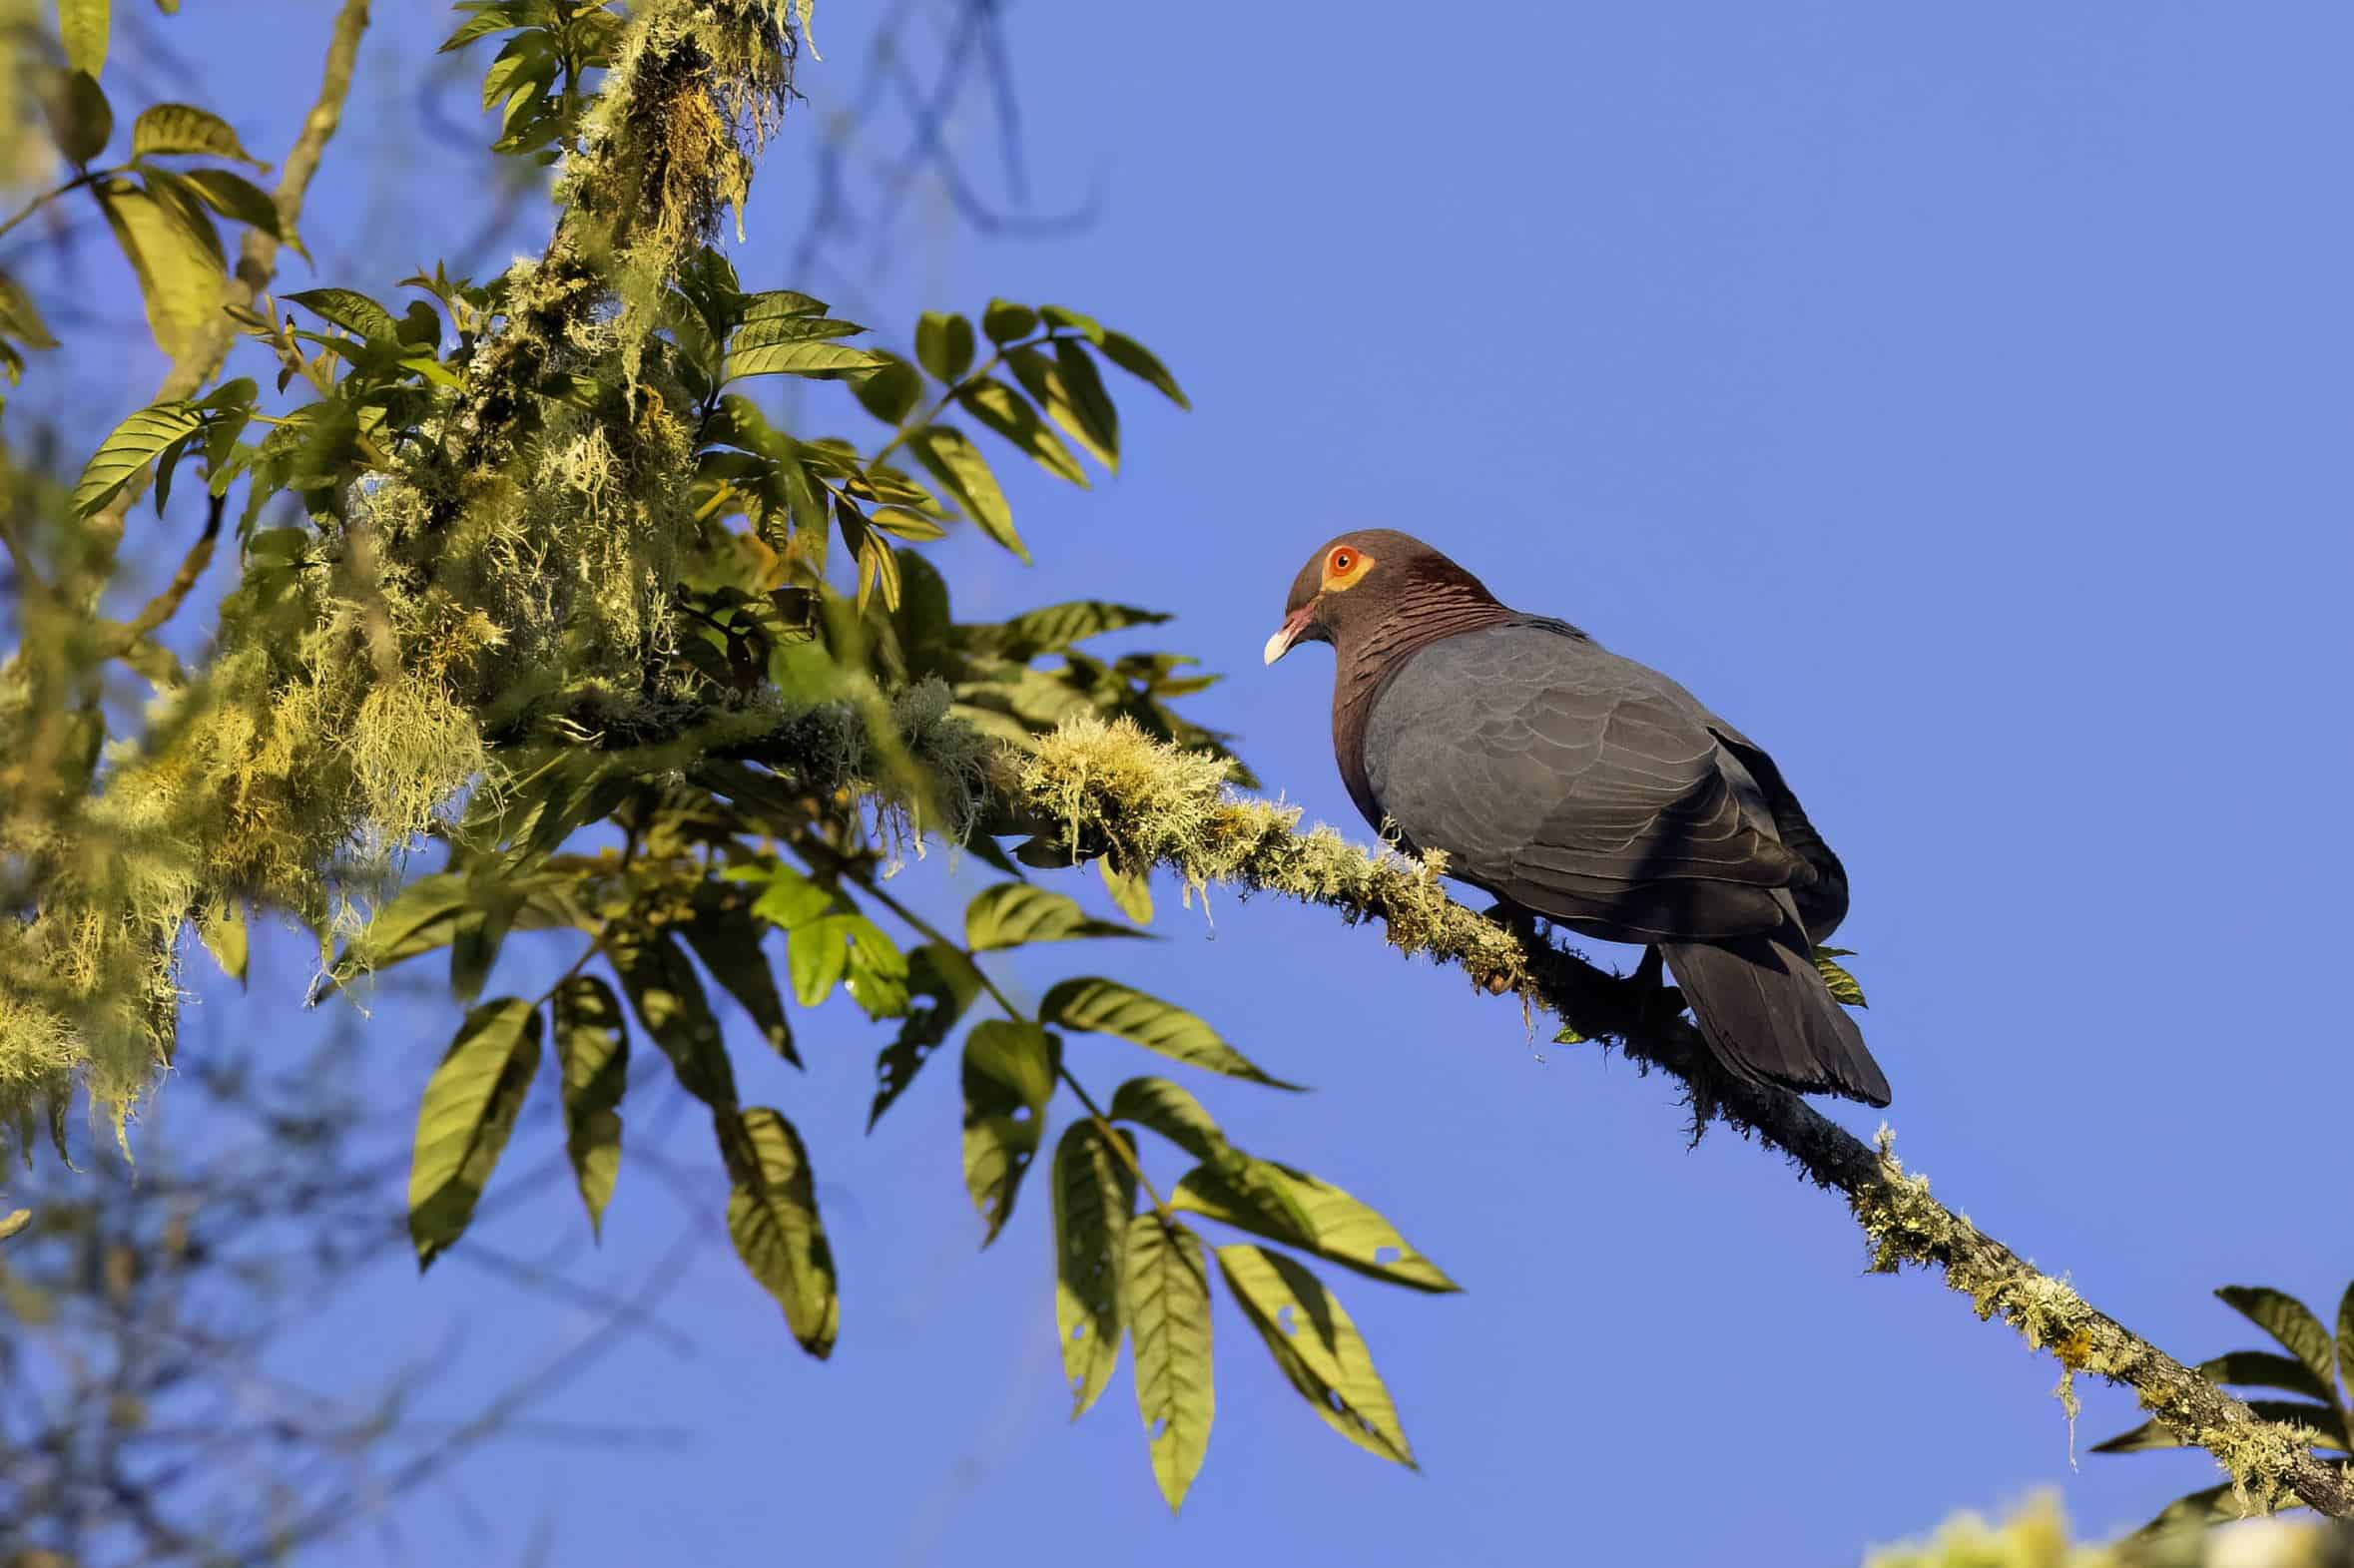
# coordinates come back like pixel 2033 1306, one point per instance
pixel 1584 787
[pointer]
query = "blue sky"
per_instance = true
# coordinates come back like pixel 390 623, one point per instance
pixel 1954 398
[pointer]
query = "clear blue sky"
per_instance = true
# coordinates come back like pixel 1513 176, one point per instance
pixel 1954 398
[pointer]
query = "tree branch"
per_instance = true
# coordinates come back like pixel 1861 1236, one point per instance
pixel 1091 789
pixel 256 263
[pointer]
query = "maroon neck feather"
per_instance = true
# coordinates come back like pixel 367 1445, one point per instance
pixel 1429 598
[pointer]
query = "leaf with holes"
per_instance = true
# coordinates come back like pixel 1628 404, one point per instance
pixel 1339 1227
pixel 1094 1195
pixel 592 1061
pixel 1099 1006
pixel 670 1002
pixel 1166 1295
pixel 132 445
pixel 1007 413
pixel 950 456
pixel 470 1109
pixel 1013 914
pixel 773 1219
pixel 183 128
pixel 1009 1069
pixel 1316 1347
pixel 2288 1321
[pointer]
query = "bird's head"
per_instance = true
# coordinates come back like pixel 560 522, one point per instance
pixel 1358 581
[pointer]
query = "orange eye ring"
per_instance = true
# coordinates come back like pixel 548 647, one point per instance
pixel 1344 561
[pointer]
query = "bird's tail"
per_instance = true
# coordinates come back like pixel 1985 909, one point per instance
pixel 1767 1015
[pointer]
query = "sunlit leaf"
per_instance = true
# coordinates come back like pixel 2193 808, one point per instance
pixel 1009 1069
pixel 592 1054
pixel 235 196
pixel 1082 412
pixel 83 26
pixel 221 926
pixel 950 458
pixel 1131 890
pixel 1316 1347
pixel 130 446
pixel 1167 1301
pixel 945 976
pixel 1341 1228
pixel 183 128
pixel 351 309
pixel 1094 1194
pixel 809 358
pixel 773 1219
pixel 1165 1108
pixel 1844 988
pixel 1010 914
pixel 1005 321
pixel 1007 413
pixel 1100 1006
pixel 470 1109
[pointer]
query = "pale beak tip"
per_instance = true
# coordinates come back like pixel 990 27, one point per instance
pixel 1279 645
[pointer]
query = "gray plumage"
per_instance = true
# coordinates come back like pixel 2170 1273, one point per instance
pixel 1588 789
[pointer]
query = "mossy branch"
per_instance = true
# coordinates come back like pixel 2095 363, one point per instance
pixel 1093 789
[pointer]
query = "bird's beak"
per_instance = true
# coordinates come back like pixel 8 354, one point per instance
pixel 1288 633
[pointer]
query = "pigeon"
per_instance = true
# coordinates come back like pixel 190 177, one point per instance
pixel 1582 787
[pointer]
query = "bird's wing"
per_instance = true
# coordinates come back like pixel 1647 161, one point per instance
pixel 1575 783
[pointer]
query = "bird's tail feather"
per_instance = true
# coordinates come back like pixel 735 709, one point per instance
pixel 1767 1015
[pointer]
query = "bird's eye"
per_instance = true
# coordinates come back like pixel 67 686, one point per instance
pixel 1344 561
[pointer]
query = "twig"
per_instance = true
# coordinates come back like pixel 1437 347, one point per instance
pixel 192 566
pixel 1094 785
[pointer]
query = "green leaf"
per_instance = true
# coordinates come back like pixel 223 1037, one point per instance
pixel 878 979
pixel 1164 1108
pixel 1131 890
pixel 773 1219
pixel 235 197
pixel 670 1002
pixel 2196 1511
pixel 1167 1299
pixel 905 524
pixel 817 955
pixel 351 309
pixel 470 1108
pixel 2346 1336
pixel 944 344
pixel 723 937
pixel 1013 914
pixel 947 978
pixel 178 266
pixel 126 450
pixel 1005 321
pixel 474 946
pixel 487 18
pixel 592 1055
pixel 1094 1195
pixel 1340 1227
pixel 2288 1321
pixel 770 303
pixel 950 456
pixel 2263 1370
pixel 422 916
pixel 1133 357
pixel 80 119
pixel 891 393
pixel 2326 1419
pixel 1316 1347
pixel 1005 411
pixel 1053 628
pixel 1072 322
pixel 1009 1069
pixel 1844 989
pixel 772 330
pixel 221 926
pixel 183 128
pixel 786 897
pixel 1099 1006
pixel 14 1221
pixel 20 318
pixel 83 26
pixel 1567 1035
pixel 809 358
pixel 1044 380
